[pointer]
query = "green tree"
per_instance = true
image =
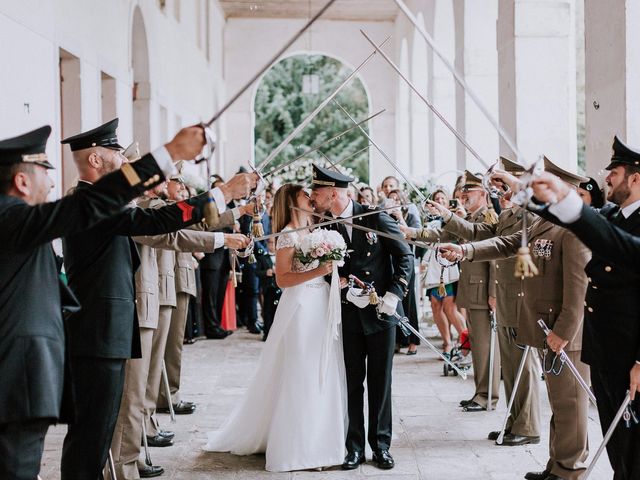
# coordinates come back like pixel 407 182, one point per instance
pixel 280 106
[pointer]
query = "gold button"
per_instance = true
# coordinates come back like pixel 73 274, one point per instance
pixel 607 268
pixel 368 254
pixel 594 287
pixel 590 310
pixel 367 273
pixel 480 281
pixel 585 304
pixel 551 309
pixel 496 282
pixel 589 278
pixel 497 267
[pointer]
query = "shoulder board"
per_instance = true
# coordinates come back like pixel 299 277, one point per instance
pixel 372 207
pixel 491 217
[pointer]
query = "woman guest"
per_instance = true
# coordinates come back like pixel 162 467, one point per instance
pixel 409 303
pixel 367 196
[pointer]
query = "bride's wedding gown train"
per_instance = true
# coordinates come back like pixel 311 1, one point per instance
pixel 294 409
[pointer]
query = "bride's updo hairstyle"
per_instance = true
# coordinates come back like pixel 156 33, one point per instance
pixel 283 201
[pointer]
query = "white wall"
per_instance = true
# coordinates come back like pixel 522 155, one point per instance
pixel 99 33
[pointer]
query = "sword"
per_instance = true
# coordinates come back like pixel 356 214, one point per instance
pixel 459 78
pixel 512 399
pixel 330 221
pixel 608 435
pixel 145 442
pixel 167 389
pixel 317 147
pixel 269 63
pixel 565 359
pixel 112 466
pixel 385 156
pixel 492 346
pixel 446 123
pixel 367 229
pixel 313 114
pixel 368 289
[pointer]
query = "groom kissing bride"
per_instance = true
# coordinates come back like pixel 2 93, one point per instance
pixel 307 393
pixel 368 341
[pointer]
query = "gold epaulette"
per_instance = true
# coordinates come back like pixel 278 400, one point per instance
pixel 490 217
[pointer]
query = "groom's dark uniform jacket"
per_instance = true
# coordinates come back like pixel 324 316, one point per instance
pixel 368 340
pixel 385 262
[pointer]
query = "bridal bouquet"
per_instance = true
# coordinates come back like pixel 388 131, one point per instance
pixel 322 245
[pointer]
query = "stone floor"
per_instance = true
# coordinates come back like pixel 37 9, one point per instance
pixel 433 439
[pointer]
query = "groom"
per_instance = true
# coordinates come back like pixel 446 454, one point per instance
pixel 368 341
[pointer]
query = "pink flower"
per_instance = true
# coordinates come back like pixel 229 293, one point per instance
pixel 320 252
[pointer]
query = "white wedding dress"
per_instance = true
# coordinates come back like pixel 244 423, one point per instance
pixel 295 408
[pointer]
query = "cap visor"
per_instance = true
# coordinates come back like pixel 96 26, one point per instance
pixel 46 165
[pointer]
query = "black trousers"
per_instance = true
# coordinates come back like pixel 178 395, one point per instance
pixel 214 285
pixel 21 447
pixel 247 295
pixel 411 312
pixel 271 297
pixel 98 384
pixel 624 446
pixel 369 356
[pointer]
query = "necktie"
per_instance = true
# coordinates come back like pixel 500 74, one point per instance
pixel 344 232
pixel 617 218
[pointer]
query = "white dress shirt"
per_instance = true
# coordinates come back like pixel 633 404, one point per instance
pixel 348 212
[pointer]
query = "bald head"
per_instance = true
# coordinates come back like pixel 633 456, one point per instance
pixel 95 162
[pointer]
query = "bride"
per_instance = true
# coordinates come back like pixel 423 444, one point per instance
pixel 297 420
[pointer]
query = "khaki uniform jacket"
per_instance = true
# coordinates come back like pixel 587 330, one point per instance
pixel 185 274
pixel 556 294
pixel 152 290
pixel 508 287
pixel 477 279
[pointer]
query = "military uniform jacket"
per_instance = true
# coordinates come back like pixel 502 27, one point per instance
pixel 384 261
pixel 100 265
pixel 611 339
pixel 32 337
pixel 508 287
pixel 556 294
pixel 147 279
pixel 477 279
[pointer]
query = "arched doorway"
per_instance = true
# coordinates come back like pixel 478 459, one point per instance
pixel 287 93
pixel 141 91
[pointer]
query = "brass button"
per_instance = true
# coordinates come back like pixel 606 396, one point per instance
pixel 607 268
pixel 585 304
pixel 368 254
pixel 594 287
pixel 589 278
pixel 496 282
pixel 367 273
pixel 480 281
pixel 497 267
pixel 551 309
pixel 590 310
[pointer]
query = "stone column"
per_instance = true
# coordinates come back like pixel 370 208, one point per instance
pixel 537 78
pixel 612 77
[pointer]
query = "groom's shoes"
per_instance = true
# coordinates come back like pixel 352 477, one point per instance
pixel 352 460
pixel 383 459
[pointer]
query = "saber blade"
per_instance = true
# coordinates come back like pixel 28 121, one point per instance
pixel 436 112
pixel 320 145
pixel 565 358
pixel 461 81
pixel 269 63
pixel 607 436
pixel 384 155
pixel 492 346
pixel 512 399
pixel 313 114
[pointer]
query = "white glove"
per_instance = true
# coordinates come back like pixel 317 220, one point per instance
pixel 389 304
pixel 354 295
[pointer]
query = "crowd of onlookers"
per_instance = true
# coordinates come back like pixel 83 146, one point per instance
pixel 238 292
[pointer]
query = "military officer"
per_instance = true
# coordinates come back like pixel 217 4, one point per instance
pixel 100 264
pixel 611 338
pixel 555 295
pixel 32 332
pixel 523 426
pixel 476 293
pixel 368 341
pixel 128 431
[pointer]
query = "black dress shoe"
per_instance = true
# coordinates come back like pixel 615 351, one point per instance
pixel 218 334
pixel 180 408
pixel 166 434
pixel 537 475
pixel 473 407
pixel 352 460
pixel 511 440
pixel 254 328
pixel 464 403
pixel 149 471
pixel 551 476
pixel 383 460
pixel 189 341
pixel 494 435
pixel 159 441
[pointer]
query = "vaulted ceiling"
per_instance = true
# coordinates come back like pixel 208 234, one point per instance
pixel 363 10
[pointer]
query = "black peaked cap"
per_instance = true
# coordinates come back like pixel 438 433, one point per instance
pixel 623 155
pixel 323 177
pixel 102 136
pixel 29 147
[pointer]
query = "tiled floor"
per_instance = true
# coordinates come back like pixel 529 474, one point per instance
pixel 433 439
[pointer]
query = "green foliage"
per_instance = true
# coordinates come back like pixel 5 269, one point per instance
pixel 280 106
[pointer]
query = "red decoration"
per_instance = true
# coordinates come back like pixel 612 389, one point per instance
pixel 187 211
